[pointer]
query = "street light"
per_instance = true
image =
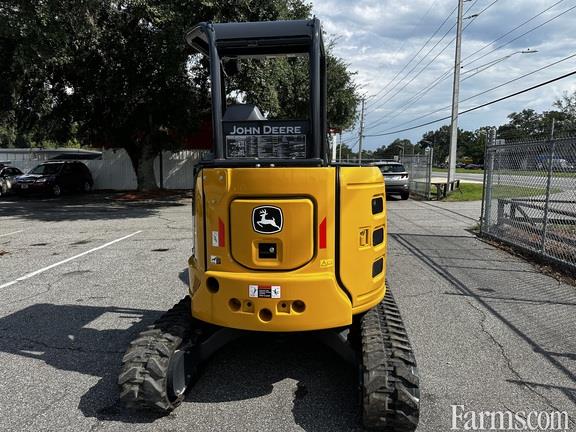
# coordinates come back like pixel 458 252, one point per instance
pixel 426 142
pixel 488 65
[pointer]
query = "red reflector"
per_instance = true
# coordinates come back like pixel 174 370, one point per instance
pixel 323 234
pixel 221 233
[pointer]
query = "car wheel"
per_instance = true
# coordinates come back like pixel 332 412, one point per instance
pixel 3 189
pixel 405 195
pixel 56 190
pixel 87 187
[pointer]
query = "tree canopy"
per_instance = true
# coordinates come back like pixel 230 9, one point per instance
pixel 119 73
pixel 530 124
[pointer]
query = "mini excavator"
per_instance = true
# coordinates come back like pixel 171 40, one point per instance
pixel 285 241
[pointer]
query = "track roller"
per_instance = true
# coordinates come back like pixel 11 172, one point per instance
pixel 389 377
pixel 158 366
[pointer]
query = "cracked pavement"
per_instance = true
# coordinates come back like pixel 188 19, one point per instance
pixel 493 331
pixel 490 331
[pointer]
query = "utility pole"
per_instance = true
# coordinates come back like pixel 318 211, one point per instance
pixel 340 149
pixel 361 138
pixel 455 96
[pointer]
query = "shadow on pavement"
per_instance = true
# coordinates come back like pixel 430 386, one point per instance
pixel 535 307
pixel 95 206
pixel 92 340
pixel 326 389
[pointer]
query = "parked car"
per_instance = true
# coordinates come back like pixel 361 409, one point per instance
pixel 8 175
pixel 557 164
pixel 55 178
pixel 474 166
pixel 395 178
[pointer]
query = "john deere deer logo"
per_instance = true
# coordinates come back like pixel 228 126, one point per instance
pixel 267 219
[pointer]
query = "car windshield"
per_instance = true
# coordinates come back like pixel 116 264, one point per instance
pixel 396 168
pixel 47 169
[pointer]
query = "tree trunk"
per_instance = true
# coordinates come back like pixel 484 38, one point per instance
pixel 145 167
pixel 142 156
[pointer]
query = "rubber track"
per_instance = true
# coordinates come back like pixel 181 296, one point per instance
pixel 390 389
pixel 143 378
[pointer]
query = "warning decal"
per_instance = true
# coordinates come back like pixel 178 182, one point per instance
pixel 264 291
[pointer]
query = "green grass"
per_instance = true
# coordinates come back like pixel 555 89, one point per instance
pixel 460 170
pixel 467 192
pixel 473 192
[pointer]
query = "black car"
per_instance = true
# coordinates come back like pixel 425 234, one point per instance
pixel 55 178
pixel 7 177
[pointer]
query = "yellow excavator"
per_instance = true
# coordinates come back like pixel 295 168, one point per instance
pixel 284 241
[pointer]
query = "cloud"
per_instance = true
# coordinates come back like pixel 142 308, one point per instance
pixel 380 40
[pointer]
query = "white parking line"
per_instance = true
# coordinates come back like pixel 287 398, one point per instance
pixel 15 232
pixel 37 272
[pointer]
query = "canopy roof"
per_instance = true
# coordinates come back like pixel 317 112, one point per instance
pixel 255 38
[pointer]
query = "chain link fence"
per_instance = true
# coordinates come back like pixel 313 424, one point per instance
pixel 419 168
pixel 530 196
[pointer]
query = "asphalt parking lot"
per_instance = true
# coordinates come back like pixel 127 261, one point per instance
pixel 80 276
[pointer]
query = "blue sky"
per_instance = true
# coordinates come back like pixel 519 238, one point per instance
pixel 378 38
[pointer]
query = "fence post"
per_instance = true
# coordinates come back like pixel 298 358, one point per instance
pixel 429 171
pixel 489 152
pixel 547 202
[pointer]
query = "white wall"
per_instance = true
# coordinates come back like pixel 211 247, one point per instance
pixel 115 171
pixel 177 169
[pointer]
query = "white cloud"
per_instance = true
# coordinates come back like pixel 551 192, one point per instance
pixel 378 38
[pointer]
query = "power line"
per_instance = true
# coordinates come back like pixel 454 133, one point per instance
pixel 383 102
pixel 430 62
pixel 513 30
pixel 518 37
pixel 486 66
pixel 419 95
pixel 490 89
pixel 412 58
pixel 400 47
pixel 379 122
pixel 479 106
pixel 354 145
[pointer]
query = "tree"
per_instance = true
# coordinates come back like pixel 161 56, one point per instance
pixel 470 144
pixel 346 153
pixel 530 124
pixel 567 106
pixel 283 92
pixel 31 52
pixel 441 143
pixel 395 148
pixel 118 73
